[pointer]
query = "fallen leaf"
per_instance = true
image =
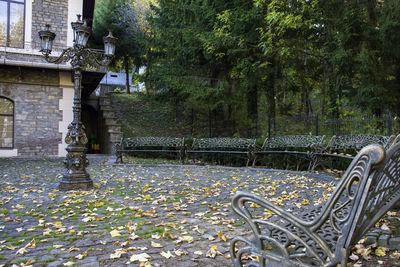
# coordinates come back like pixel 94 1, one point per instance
pixel 10 247
pixel 142 257
pixel 167 254
pixel 395 255
pixel 81 256
pixel 212 252
pixel 222 237
pixel 73 249
pixel 21 251
pixel 185 238
pixel 115 233
pixel 117 254
pixel 31 244
pixel 156 245
pixel 380 251
pixel 179 252
pixel 354 257
pixel 125 244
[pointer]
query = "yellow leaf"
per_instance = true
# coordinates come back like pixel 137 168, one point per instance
pixel 115 233
pixel 31 244
pixel 125 244
pixel 222 237
pixel 212 252
pixel 29 263
pixel 380 251
pixel 70 263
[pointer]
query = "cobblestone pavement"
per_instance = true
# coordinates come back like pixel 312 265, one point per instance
pixel 136 215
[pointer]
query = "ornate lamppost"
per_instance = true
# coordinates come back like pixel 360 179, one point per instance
pixel 79 56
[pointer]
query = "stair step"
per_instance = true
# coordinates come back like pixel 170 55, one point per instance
pixel 107 108
pixel 109 115
pixel 111 122
pixel 114 131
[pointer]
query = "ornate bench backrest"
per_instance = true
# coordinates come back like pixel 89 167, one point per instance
pixel 366 192
pixel 357 141
pixel 292 141
pixel 152 142
pixel 324 235
pixel 223 142
pixel 384 191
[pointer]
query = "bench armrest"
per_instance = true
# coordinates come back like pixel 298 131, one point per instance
pixel 289 236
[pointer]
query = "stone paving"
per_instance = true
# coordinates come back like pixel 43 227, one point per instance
pixel 136 215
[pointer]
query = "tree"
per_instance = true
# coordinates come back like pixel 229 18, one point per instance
pixel 123 19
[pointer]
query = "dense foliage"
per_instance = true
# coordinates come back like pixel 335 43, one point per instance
pixel 237 61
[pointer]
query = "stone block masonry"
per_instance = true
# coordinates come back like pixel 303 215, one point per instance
pixel 55 13
pixel 36 96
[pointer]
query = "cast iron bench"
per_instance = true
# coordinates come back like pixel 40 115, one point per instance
pixel 324 235
pixel 288 144
pixel 223 145
pixel 150 145
pixel 341 145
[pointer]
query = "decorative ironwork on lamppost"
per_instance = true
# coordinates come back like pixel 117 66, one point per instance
pixel 79 56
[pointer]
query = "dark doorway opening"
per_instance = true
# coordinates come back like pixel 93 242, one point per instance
pixel 90 118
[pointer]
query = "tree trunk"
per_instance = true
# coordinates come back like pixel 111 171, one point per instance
pixel 126 65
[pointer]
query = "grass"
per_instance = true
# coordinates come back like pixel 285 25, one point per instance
pixel 48 260
pixel 73 238
pixel 149 233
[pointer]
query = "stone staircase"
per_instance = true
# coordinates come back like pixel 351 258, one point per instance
pixel 113 133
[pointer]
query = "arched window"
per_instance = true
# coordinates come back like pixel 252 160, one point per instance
pixel 6 123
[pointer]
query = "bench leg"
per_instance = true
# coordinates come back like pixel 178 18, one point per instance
pixel 254 162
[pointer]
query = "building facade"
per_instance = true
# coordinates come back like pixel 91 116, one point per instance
pixel 36 97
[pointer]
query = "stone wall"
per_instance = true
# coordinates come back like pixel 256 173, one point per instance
pixel 36 96
pixel 55 13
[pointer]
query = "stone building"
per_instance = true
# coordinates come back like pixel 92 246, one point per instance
pixel 36 97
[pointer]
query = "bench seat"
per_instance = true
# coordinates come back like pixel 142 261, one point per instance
pixel 223 145
pixel 150 144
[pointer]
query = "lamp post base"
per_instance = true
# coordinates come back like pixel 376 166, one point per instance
pixel 76 177
pixel 75 183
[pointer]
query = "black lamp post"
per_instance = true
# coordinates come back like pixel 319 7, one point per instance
pixel 79 56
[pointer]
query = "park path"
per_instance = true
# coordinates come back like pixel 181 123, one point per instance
pixel 136 215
